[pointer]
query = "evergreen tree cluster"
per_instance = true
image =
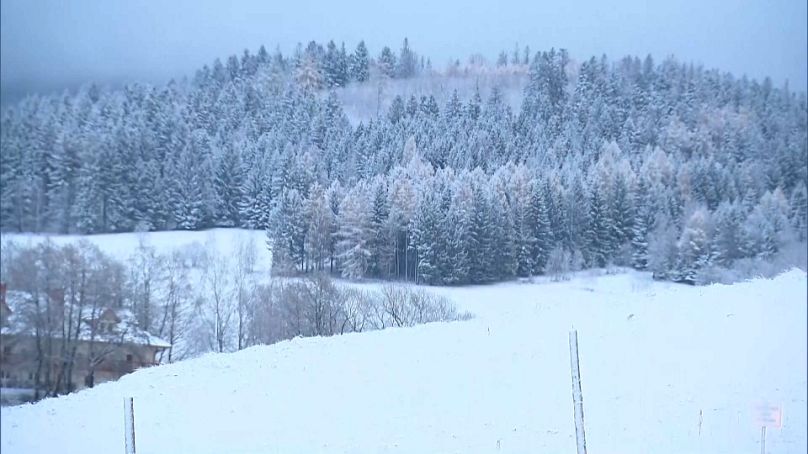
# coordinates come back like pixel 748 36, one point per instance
pixel 668 167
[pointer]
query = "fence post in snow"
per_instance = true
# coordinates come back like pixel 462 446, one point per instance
pixel 577 396
pixel 129 424
pixel 763 440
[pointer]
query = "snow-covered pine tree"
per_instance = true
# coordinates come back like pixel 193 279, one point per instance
pixel 458 224
pixel 799 211
pixel 598 230
pixel 228 181
pixel 425 237
pixel 407 62
pixel 480 248
pixel 504 253
pixel 541 229
pixel 726 237
pixel 641 226
pixel 387 63
pixel 354 230
pixel 767 228
pixel 359 63
pixel 256 201
pixel 380 244
pixel 662 248
pixel 286 235
pixel 320 223
pixel 402 202
pixel 186 192
pixel 332 67
pixel 693 247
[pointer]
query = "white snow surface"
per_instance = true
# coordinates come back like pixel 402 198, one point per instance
pixel 653 356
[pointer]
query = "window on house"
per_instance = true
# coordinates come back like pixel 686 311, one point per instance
pixel 128 358
pixel 6 349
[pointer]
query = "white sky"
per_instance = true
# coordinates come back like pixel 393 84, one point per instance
pixel 50 45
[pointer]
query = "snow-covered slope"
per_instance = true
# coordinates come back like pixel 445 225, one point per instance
pixel 653 357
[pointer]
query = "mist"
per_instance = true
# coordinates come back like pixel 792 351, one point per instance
pixel 50 46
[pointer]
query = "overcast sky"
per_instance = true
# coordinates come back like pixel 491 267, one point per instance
pixel 50 45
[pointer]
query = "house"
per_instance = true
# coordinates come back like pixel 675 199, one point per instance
pixel 5 311
pixel 79 347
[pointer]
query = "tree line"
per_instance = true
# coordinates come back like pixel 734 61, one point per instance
pixel 666 166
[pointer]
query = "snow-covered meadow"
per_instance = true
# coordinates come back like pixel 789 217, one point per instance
pixel 665 368
pixel 122 246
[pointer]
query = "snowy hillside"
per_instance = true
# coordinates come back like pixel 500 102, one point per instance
pixel 653 356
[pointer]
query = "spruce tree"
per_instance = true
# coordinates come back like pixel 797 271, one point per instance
pixel 387 63
pixel 799 211
pixel 641 227
pixel 541 228
pixel 354 233
pixel 693 248
pixel 407 62
pixel 228 187
pixel 287 232
pixel 332 66
pixel 480 248
pixel 359 63
pixel 379 238
pixel 425 237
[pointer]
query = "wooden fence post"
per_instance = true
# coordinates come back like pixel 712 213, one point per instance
pixel 129 424
pixel 577 396
pixel 763 440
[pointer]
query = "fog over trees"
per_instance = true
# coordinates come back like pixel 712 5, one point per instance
pixel 656 165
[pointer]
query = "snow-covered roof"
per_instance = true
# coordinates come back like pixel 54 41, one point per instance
pixel 125 331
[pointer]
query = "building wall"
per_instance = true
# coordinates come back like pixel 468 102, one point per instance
pixel 18 361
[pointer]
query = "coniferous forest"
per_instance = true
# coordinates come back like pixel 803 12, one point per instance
pixel 657 165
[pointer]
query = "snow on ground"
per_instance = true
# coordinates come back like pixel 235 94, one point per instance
pixel 653 356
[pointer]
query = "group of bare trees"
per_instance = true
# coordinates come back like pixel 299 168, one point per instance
pixel 316 306
pixel 239 309
pixel 60 292
pixel 195 297
pixel 66 286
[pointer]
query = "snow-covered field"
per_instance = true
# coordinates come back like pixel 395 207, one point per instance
pixel 654 357
pixel 121 246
